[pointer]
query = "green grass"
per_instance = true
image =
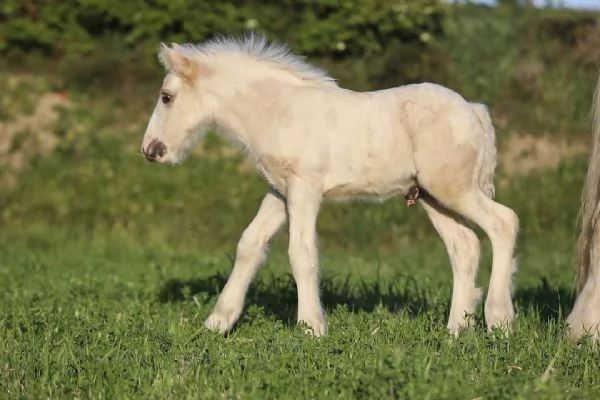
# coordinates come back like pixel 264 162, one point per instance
pixel 109 265
pixel 112 319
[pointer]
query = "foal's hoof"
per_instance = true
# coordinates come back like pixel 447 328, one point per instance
pixel 499 316
pixel 316 329
pixel 221 322
pixel 504 325
pixel 456 327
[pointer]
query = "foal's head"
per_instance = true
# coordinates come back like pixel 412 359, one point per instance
pixel 183 111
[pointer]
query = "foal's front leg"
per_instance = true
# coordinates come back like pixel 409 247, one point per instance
pixel 303 201
pixel 251 252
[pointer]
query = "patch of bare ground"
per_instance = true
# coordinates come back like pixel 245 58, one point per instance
pixel 29 134
pixel 521 154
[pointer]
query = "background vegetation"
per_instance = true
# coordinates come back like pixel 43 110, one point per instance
pixel 108 264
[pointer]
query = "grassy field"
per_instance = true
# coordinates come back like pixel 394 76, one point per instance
pixel 109 264
pixel 108 318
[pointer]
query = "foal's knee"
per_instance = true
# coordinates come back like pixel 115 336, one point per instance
pixel 250 245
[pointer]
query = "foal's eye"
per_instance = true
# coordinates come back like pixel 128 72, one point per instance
pixel 166 98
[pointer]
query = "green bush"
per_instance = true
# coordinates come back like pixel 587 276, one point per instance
pixel 347 27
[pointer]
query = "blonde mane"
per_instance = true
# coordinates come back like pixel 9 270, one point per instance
pixel 256 47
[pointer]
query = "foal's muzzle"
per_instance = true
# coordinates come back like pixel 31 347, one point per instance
pixel 155 149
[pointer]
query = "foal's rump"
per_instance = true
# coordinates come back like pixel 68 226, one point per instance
pixel 453 140
pixel 382 143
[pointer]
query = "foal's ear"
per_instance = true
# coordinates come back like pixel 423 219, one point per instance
pixel 173 59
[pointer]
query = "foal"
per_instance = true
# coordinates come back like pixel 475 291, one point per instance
pixel 312 140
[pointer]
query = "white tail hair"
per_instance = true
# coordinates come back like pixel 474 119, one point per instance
pixel 487 165
pixel 589 212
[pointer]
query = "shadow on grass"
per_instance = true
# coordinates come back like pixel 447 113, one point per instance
pixel 277 295
pixel 550 303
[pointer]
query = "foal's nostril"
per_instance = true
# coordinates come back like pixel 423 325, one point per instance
pixel 155 149
pixel 160 149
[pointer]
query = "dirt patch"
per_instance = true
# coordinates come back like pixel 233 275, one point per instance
pixel 29 134
pixel 523 153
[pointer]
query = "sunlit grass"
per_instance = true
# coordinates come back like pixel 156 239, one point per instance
pixel 111 319
pixel 109 265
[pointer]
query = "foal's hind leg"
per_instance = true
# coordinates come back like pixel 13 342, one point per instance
pixel 501 225
pixel 457 190
pixel 463 250
pixel 251 251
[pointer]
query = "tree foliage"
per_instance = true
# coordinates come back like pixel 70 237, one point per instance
pixel 313 27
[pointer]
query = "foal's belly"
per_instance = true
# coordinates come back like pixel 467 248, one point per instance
pixel 374 188
pixel 373 168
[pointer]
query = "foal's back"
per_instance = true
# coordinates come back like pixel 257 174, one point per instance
pixel 367 141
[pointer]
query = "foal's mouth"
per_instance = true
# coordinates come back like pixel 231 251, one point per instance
pixel 155 150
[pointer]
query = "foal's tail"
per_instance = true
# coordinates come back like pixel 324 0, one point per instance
pixel 589 212
pixel 487 161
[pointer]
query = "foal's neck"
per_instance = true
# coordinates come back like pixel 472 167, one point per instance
pixel 249 107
